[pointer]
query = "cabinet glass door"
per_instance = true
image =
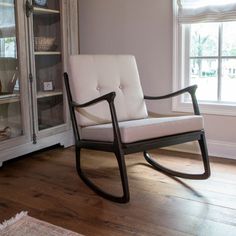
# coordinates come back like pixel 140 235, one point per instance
pixel 10 106
pixel 48 63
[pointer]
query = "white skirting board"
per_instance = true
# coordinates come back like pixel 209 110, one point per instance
pixel 65 139
pixel 215 148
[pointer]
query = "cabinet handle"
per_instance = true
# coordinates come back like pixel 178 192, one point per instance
pixel 29 8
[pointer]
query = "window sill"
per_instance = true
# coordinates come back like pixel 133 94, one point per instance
pixel 206 108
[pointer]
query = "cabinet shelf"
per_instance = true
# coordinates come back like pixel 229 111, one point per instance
pixel 40 53
pixel 5 4
pixel 41 11
pixel 46 94
pixel 9 98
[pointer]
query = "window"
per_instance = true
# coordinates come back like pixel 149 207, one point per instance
pixel 212 61
pixel 205 54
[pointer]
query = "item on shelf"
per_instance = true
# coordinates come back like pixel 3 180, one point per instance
pixel 44 43
pixel 41 3
pixel 5 133
pixel 12 82
pixel 0 86
pixel 48 86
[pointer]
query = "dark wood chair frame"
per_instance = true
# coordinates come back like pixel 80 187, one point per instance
pixel 121 149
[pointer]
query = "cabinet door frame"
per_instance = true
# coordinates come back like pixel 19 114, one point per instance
pixel 68 46
pixel 22 49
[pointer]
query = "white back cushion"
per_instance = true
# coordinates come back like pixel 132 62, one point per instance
pixel 95 75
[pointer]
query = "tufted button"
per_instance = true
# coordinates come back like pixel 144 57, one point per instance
pixel 120 87
pixel 98 88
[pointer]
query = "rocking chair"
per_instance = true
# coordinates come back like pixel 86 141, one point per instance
pixel 108 113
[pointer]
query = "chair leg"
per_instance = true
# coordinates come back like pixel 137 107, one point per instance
pixel 123 174
pixel 205 159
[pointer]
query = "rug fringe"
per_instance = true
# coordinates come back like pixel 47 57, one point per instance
pixel 13 220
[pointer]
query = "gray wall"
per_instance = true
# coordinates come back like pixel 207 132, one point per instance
pixel 144 28
pixel 138 27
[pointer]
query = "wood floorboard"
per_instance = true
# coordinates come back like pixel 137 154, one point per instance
pixel 47 186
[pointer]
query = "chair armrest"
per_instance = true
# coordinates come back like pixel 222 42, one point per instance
pixel 191 90
pixel 109 97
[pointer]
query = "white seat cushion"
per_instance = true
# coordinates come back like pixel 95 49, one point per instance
pixel 143 129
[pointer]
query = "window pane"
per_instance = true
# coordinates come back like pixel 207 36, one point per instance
pixel 228 93
pixel 229 39
pixel 204 39
pixel 203 72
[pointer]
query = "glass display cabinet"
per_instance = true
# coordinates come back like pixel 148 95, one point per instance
pixel 10 99
pixel 36 38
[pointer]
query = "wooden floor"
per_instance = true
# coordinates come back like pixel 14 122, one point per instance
pixel 47 186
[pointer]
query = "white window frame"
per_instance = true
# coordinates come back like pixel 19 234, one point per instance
pixel 181 70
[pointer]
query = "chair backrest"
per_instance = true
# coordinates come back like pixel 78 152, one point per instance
pixel 95 75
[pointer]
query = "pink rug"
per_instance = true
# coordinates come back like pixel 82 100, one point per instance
pixel 24 225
